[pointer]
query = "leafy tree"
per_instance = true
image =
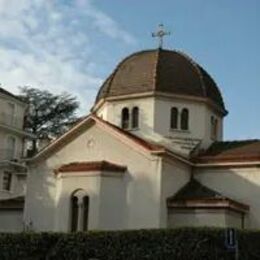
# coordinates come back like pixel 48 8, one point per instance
pixel 48 115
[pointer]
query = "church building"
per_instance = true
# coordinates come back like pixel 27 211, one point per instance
pixel 149 155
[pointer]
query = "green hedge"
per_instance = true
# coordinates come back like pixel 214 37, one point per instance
pixel 187 243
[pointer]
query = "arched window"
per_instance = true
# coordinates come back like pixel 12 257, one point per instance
pixel 174 118
pixel 135 117
pixel 74 214
pixel 85 212
pixel 215 131
pixel 79 211
pixel 214 128
pixel 185 119
pixel 125 118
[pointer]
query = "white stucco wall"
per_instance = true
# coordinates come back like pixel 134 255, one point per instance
pixel 11 220
pixel 20 184
pixel 106 195
pixel 155 113
pixel 173 177
pixel 203 217
pixel 113 209
pixel 241 184
pixel 67 185
pixel 40 204
pixel 199 120
pixel 111 112
pixel 235 219
pixel 142 182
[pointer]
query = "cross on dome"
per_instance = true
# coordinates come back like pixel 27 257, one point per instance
pixel 160 33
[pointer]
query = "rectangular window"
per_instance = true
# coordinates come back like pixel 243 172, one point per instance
pixel 7 181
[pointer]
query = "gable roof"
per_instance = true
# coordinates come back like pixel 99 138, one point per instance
pixel 83 125
pixel 196 195
pixel 195 190
pixel 90 166
pixel 235 152
pixel 230 151
pixel 149 145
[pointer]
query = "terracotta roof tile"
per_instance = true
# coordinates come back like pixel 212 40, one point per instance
pixel 160 70
pixel 90 166
pixel 232 151
pixel 196 195
pixel 195 190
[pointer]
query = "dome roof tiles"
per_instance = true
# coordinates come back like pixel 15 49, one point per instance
pixel 164 71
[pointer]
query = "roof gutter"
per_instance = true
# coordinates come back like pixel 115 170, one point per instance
pixel 166 152
pixel 227 164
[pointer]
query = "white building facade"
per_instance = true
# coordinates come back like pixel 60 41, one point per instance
pixel 12 169
pixel 150 155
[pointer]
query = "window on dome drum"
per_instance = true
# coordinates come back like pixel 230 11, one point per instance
pixel 79 212
pixel 174 118
pixel 7 181
pixel 214 128
pixel 185 119
pixel 135 117
pixel 125 118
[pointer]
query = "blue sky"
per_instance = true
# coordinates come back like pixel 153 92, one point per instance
pixel 72 45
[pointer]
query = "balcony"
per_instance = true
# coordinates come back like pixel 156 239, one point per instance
pixel 11 120
pixel 8 158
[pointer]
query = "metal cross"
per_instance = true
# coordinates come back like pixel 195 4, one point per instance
pixel 160 34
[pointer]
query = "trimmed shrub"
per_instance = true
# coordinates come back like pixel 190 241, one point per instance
pixel 185 243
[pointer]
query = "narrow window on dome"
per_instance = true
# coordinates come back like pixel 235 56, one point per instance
pixel 214 128
pixel 125 118
pixel 185 119
pixel 135 117
pixel 174 118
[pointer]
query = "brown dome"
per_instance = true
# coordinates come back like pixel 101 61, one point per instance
pixel 160 71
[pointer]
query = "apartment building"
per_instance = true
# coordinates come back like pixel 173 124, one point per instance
pixel 13 138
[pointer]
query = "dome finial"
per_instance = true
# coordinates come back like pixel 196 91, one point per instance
pixel 160 33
